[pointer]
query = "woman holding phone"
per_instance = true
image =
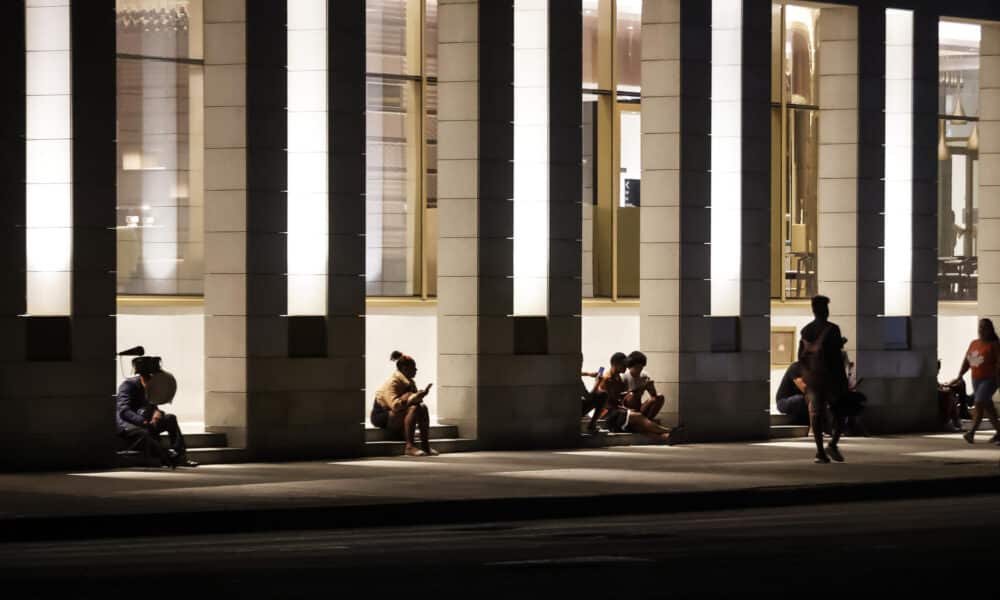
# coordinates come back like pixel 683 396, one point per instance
pixel 399 407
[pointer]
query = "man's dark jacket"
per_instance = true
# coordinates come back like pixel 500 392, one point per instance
pixel 131 404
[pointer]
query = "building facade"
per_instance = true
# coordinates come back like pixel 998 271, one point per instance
pixel 273 195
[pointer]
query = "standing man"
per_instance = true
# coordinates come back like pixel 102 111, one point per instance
pixel 137 417
pixel 821 356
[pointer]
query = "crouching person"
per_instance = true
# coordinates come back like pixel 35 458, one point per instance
pixel 141 421
pixel 399 407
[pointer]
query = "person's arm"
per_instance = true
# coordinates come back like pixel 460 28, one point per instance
pixel 651 388
pixel 996 368
pixel 124 403
pixel 963 370
pixel 588 373
pixel 800 383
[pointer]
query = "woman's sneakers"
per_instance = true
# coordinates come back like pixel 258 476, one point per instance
pixel 414 451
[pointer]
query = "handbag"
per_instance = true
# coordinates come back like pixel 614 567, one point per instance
pixel 379 415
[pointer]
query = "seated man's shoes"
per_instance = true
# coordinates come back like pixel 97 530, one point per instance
pixel 179 460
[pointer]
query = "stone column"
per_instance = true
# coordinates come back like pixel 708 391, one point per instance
pixel 899 382
pixel 715 368
pixel 458 213
pixel 748 400
pixel 57 374
pixel 989 173
pixel 226 219
pixel 660 226
pixel 509 381
pixel 838 167
pixel 286 387
pixel 917 403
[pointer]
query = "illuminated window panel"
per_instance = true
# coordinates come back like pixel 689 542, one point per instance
pixel 531 158
pixel 308 181
pixel 898 160
pixel 49 158
pixel 726 165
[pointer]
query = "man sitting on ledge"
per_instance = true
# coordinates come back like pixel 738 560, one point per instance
pixel 791 395
pixel 139 420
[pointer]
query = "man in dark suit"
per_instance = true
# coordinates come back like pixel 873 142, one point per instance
pixel 821 355
pixel 140 420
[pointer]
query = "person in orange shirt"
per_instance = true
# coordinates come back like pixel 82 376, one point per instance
pixel 983 357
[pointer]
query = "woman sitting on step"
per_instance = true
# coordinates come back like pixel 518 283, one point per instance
pixel 399 407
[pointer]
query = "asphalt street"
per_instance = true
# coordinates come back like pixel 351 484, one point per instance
pixel 915 547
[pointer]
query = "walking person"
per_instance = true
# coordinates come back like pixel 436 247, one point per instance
pixel 821 356
pixel 983 358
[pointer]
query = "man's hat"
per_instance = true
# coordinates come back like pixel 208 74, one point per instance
pixel 146 365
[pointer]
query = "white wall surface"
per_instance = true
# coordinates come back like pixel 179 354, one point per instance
pixel 411 330
pixel 177 334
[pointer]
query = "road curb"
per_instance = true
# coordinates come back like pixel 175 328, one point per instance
pixel 453 512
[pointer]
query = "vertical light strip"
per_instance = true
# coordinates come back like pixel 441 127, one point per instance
pixel 49 158
pixel 726 139
pixel 308 185
pixel 531 158
pixel 898 160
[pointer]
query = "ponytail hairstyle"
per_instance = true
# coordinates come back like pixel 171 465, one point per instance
pixel 401 359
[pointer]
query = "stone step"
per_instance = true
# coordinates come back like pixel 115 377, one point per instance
pixel 984 426
pixel 199 440
pixel 789 431
pixel 217 456
pixel 604 440
pixel 205 456
pixel 374 434
pixel 444 446
pixel 779 419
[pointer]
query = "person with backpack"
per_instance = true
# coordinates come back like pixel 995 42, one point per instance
pixel 821 356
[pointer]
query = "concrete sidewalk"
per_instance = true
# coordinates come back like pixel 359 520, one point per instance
pixel 487 486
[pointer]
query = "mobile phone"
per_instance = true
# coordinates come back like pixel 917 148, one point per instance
pixel 600 372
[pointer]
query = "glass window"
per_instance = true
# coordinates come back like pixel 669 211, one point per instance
pixel 160 134
pixel 795 156
pixel 401 147
pixel 958 159
pixel 612 164
pixel 591 26
pixel 388 37
pixel 629 45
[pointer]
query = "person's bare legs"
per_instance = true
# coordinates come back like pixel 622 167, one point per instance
pixel 652 407
pixel 409 429
pixel 424 417
pixel 640 423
